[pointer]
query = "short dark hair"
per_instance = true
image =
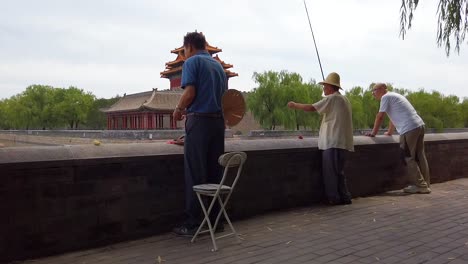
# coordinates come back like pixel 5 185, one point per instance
pixel 196 39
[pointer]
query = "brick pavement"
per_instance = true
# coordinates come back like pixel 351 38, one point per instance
pixel 388 228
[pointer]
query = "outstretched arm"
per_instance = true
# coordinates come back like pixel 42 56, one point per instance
pixel 303 107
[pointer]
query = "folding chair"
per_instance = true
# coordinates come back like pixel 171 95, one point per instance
pixel 220 193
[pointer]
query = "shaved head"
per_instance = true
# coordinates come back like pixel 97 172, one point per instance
pixel 380 85
pixel 379 90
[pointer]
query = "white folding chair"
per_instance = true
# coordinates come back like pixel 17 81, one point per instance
pixel 220 193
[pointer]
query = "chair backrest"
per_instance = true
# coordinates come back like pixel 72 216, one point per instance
pixel 231 160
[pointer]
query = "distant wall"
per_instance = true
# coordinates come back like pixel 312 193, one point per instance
pixel 62 198
pixel 73 137
pixel 99 134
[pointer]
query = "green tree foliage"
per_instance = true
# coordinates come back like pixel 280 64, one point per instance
pixel 294 89
pixel 96 118
pixel 464 111
pixel 38 102
pixel 436 110
pixel 3 112
pixel 268 101
pixel 45 107
pixel 28 109
pixel 360 109
pixel 11 113
pixel 73 106
pixel 452 22
pixel 265 101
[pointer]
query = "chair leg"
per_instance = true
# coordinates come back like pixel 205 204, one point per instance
pixel 206 220
pixel 218 217
pixel 202 223
pixel 223 210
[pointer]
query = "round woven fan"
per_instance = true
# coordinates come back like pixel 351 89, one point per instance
pixel 233 107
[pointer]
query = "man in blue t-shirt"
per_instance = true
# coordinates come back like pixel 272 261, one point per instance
pixel 204 82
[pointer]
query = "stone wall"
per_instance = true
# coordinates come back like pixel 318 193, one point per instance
pixel 61 198
pixel 102 134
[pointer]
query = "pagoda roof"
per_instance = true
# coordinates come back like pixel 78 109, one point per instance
pixel 171 71
pixel 151 100
pixel 179 60
pixel 225 65
pixel 212 50
pixel 230 73
pixel 175 67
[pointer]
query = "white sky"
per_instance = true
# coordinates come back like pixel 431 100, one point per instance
pixel 112 47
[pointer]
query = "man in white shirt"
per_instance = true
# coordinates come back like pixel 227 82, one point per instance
pixel 409 124
pixel 335 137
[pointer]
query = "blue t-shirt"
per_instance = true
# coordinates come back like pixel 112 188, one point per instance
pixel 210 82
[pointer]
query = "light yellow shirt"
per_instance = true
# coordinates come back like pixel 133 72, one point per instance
pixel 336 130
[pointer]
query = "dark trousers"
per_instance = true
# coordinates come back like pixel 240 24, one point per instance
pixel 336 188
pixel 204 143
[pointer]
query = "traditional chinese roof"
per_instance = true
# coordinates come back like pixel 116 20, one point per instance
pixel 177 62
pixel 212 50
pixel 152 100
pixel 225 65
pixel 230 73
pixel 171 71
pixel 175 67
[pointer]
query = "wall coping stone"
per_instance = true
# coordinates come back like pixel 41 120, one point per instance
pixel 83 152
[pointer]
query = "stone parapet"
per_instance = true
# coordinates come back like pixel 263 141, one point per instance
pixel 55 199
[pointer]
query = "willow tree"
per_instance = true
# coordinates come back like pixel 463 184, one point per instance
pixel 268 102
pixel 264 101
pixel 74 106
pixel 452 21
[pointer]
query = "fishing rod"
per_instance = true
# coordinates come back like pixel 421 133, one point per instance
pixel 313 37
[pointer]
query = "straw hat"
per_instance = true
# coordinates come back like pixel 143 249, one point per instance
pixel 332 79
pixel 233 107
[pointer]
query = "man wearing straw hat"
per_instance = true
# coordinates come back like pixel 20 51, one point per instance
pixel 335 137
pixel 204 82
pixel 410 125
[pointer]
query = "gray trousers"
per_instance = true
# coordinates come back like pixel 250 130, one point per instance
pixel 412 144
pixel 204 143
pixel 334 179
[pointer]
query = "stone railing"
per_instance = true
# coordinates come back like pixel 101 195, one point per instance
pixel 60 198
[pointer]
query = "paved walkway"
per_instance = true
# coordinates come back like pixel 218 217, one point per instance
pixel 388 228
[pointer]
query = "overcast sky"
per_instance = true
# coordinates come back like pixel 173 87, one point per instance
pixel 112 47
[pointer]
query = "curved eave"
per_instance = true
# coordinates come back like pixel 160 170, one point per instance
pixel 169 110
pixel 124 110
pixel 179 60
pixel 209 48
pixel 175 63
pixel 169 72
pixel 231 74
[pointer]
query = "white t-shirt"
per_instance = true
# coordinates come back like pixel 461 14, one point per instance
pixel 401 112
pixel 336 130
